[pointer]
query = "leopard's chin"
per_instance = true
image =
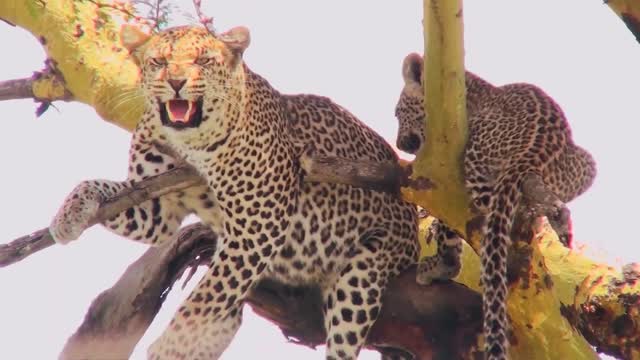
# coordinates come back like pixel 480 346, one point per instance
pixel 181 113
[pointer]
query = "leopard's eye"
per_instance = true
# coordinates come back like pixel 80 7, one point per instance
pixel 159 61
pixel 202 61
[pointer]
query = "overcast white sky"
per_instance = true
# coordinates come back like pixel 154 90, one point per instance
pixel 351 51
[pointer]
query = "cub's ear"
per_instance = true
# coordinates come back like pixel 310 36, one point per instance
pixel 132 37
pixel 412 69
pixel 236 39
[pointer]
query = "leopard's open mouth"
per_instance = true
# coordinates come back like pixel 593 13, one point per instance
pixel 180 113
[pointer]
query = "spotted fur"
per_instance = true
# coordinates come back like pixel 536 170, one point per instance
pixel 347 240
pixel 514 130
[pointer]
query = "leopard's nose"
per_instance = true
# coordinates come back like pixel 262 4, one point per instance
pixel 176 85
pixel 410 143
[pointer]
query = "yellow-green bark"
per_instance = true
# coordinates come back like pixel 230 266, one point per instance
pixel 439 159
pixel 540 329
pixel 80 37
pixel 49 86
pixel 540 299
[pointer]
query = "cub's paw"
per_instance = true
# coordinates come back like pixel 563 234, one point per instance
pixel 445 264
pixel 440 267
pixel 560 221
pixel 77 212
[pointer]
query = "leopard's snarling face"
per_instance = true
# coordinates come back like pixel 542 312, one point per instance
pixel 410 107
pixel 192 79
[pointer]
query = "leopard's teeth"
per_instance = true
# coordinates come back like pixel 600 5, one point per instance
pixel 188 114
pixel 168 110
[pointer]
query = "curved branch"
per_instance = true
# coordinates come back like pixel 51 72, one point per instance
pixel 443 320
pixel 119 316
pixel 174 180
pixel 364 174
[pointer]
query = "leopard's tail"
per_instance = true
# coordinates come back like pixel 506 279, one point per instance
pixel 502 208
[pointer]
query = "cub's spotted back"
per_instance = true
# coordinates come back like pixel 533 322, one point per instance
pixel 514 130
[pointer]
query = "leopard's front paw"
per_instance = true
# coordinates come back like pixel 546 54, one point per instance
pixel 77 213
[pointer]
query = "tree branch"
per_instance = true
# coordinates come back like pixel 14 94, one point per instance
pixel 96 69
pixel 176 179
pixel 629 13
pixel 361 174
pixel 43 86
pixel 46 85
pixel 443 319
pixel 437 170
pixel 557 259
pixel 206 21
pixel 119 316
pixel 16 89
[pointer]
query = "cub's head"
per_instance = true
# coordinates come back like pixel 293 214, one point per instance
pixel 410 107
pixel 191 77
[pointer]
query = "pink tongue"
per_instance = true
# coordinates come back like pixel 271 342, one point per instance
pixel 178 109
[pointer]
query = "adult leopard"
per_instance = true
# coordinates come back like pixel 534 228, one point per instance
pixel 514 130
pixel 244 137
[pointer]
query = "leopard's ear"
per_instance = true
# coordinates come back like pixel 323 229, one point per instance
pixel 236 39
pixel 132 37
pixel 412 69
